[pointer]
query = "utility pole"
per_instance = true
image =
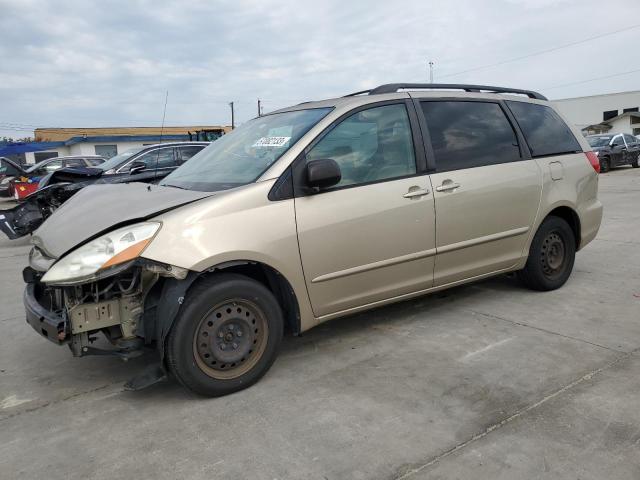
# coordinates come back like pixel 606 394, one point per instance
pixel 431 63
pixel 233 120
pixel 259 109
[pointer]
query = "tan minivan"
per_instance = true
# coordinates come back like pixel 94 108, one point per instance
pixel 311 213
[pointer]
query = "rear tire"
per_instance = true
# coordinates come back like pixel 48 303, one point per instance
pixel 226 336
pixel 634 164
pixel 605 165
pixel 551 256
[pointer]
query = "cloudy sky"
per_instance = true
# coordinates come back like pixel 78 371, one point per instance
pixel 109 63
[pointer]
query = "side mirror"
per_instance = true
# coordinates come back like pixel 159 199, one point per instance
pixel 323 173
pixel 137 167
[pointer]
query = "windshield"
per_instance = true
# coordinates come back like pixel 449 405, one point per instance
pixel 241 156
pixel 115 162
pixel 599 141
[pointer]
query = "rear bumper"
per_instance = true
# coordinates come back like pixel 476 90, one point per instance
pixel 47 323
pixel 590 220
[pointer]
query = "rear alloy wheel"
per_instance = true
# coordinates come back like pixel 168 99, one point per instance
pixel 226 335
pixel 551 256
pixel 605 165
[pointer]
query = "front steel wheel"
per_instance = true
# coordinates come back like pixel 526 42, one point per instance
pixel 226 335
pixel 230 339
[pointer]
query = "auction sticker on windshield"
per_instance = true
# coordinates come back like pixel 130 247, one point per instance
pixel 272 142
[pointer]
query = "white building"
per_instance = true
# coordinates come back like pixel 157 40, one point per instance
pixel 612 112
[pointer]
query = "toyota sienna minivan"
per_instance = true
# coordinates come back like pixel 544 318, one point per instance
pixel 311 213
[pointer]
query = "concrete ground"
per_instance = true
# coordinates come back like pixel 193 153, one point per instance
pixel 486 381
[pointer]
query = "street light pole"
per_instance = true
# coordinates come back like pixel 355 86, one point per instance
pixel 233 120
pixel 431 63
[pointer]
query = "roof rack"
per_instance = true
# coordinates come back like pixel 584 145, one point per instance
pixel 394 87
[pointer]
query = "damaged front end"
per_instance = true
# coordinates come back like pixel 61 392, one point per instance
pixel 128 308
pixel 53 190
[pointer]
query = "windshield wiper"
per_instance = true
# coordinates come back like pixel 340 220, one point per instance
pixel 172 185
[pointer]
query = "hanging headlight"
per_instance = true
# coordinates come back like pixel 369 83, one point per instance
pixel 103 253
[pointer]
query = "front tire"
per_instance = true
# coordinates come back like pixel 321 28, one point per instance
pixel 226 336
pixel 551 256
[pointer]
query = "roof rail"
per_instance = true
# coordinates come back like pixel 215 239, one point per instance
pixel 394 87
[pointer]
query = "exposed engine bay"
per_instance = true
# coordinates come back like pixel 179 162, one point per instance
pixel 114 306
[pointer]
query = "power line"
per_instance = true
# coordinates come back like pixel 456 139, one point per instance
pixel 591 79
pixel 541 52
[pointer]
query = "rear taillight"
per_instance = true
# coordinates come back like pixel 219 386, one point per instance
pixel 593 160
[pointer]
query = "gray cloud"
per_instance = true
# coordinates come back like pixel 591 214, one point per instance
pixel 73 63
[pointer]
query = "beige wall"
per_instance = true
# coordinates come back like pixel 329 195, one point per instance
pixel 63 134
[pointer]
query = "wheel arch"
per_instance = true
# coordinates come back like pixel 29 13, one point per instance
pixel 170 294
pixel 569 215
pixel 272 279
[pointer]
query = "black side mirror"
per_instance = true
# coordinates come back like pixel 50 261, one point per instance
pixel 137 167
pixel 323 173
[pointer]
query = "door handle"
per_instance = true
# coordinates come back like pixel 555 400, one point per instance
pixel 418 192
pixel 447 185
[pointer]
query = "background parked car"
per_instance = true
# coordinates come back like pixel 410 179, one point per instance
pixel 148 164
pixel 27 183
pixel 8 171
pixel 614 150
pixel 145 164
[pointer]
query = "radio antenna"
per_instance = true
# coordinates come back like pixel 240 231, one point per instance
pixel 164 113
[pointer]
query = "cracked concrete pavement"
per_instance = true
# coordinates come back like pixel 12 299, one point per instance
pixel 485 381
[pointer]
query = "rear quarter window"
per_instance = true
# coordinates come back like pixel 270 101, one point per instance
pixel 544 130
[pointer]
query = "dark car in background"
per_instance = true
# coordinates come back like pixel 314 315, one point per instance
pixel 148 164
pixel 27 182
pixel 614 150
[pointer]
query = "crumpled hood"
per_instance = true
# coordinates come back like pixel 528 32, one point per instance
pixel 100 208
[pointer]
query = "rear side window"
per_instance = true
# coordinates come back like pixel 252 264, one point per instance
pixel 545 132
pixel 469 134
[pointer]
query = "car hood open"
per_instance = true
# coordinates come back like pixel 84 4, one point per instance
pixel 100 208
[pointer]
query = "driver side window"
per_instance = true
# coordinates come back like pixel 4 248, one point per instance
pixel 617 141
pixel 370 146
pixel 51 166
pixel 160 158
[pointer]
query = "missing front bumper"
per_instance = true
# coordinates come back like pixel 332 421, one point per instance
pixel 49 324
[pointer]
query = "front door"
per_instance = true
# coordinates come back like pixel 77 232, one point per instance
pixel 371 237
pixel 486 193
pixel 618 150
